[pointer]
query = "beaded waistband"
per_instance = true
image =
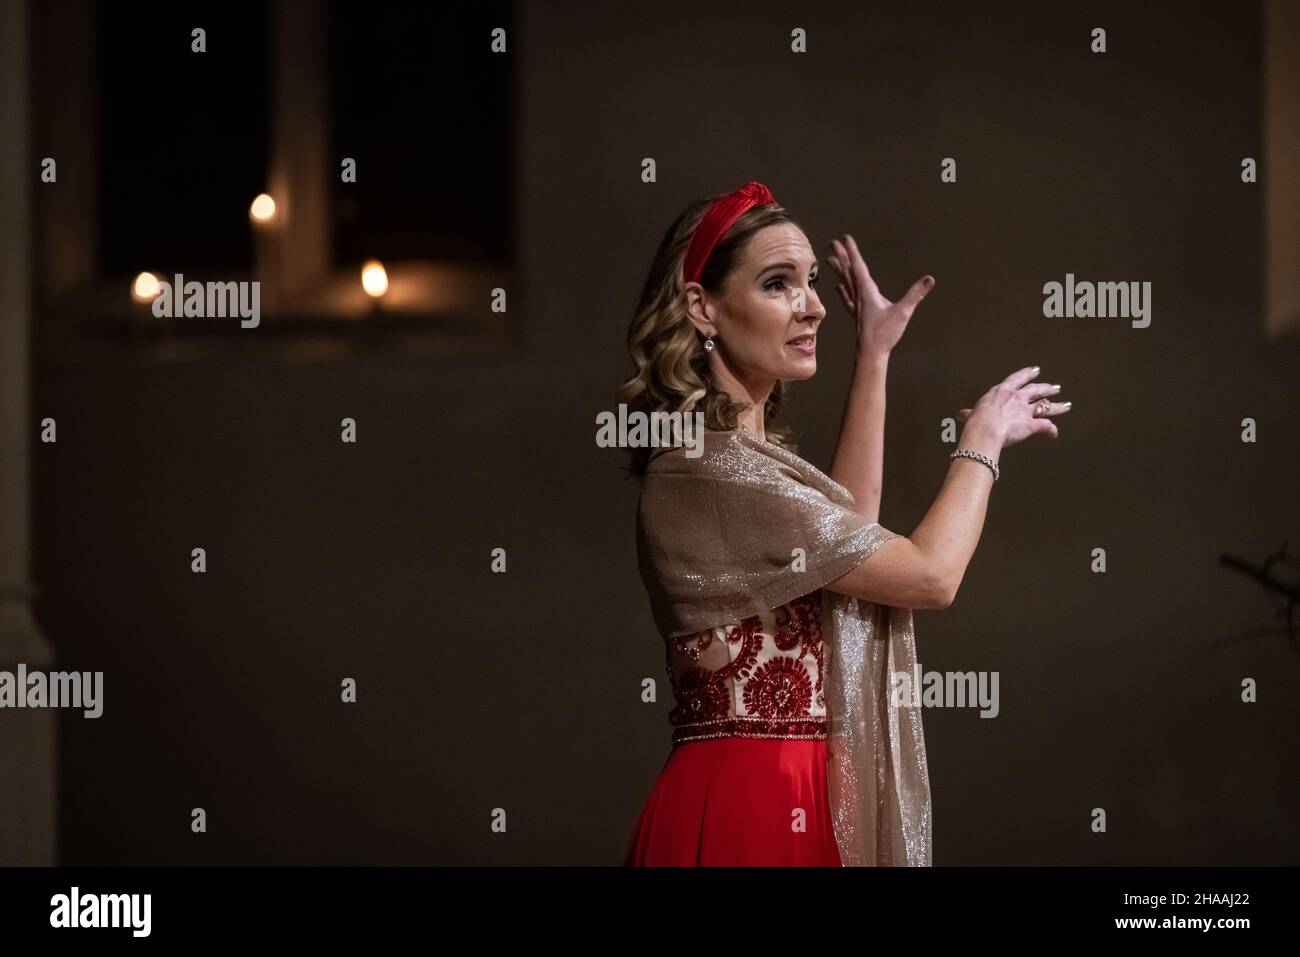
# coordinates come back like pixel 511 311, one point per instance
pixel 740 726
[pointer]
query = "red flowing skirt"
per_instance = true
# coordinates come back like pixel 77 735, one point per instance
pixel 737 802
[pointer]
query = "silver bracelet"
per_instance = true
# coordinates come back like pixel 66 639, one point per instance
pixel 978 457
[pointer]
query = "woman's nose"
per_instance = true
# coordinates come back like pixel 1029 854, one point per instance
pixel 815 308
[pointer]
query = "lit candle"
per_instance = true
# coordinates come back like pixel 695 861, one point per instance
pixel 145 288
pixel 265 217
pixel 374 280
pixel 262 209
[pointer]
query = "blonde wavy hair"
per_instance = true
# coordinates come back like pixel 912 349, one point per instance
pixel 670 364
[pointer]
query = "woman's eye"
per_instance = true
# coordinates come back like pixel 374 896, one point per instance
pixel 776 282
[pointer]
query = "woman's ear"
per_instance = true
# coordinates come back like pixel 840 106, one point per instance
pixel 699 310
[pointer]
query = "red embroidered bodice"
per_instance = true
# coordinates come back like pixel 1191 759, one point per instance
pixel 757 678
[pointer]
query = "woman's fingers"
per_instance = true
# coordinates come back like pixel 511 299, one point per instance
pixel 858 265
pixel 1039 390
pixel 847 286
pixel 1021 377
pixel 855 257
pixel 832 257
pixel 840 260
pixel 837 255
pixel 845 296
pixel 1024 419
pixel 1042 421
pixel 846 259
pixel 837 262
pixel 918 292
pixel 1053 408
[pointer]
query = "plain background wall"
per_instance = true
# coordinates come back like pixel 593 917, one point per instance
pixel 521 691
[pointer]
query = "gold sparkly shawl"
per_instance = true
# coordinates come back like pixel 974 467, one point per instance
pixel 716 542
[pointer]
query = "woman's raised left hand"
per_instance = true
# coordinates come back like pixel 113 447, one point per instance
pixel 880 323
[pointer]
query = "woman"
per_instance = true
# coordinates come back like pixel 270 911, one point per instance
pixel 785 606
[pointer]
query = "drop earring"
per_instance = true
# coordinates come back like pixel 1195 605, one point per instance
pixel 708 344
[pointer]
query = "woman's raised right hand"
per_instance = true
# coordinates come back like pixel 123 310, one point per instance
pixel 1011 409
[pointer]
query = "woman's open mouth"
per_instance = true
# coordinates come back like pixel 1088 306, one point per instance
pixel 804 345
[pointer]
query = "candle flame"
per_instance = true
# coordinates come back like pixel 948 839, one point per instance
pixel 374 280
pixel 262 209
pixel 145 287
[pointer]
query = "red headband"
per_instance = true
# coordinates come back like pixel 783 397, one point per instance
pixel 715 222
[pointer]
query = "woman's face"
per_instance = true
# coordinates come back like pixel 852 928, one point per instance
pixel 765 322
